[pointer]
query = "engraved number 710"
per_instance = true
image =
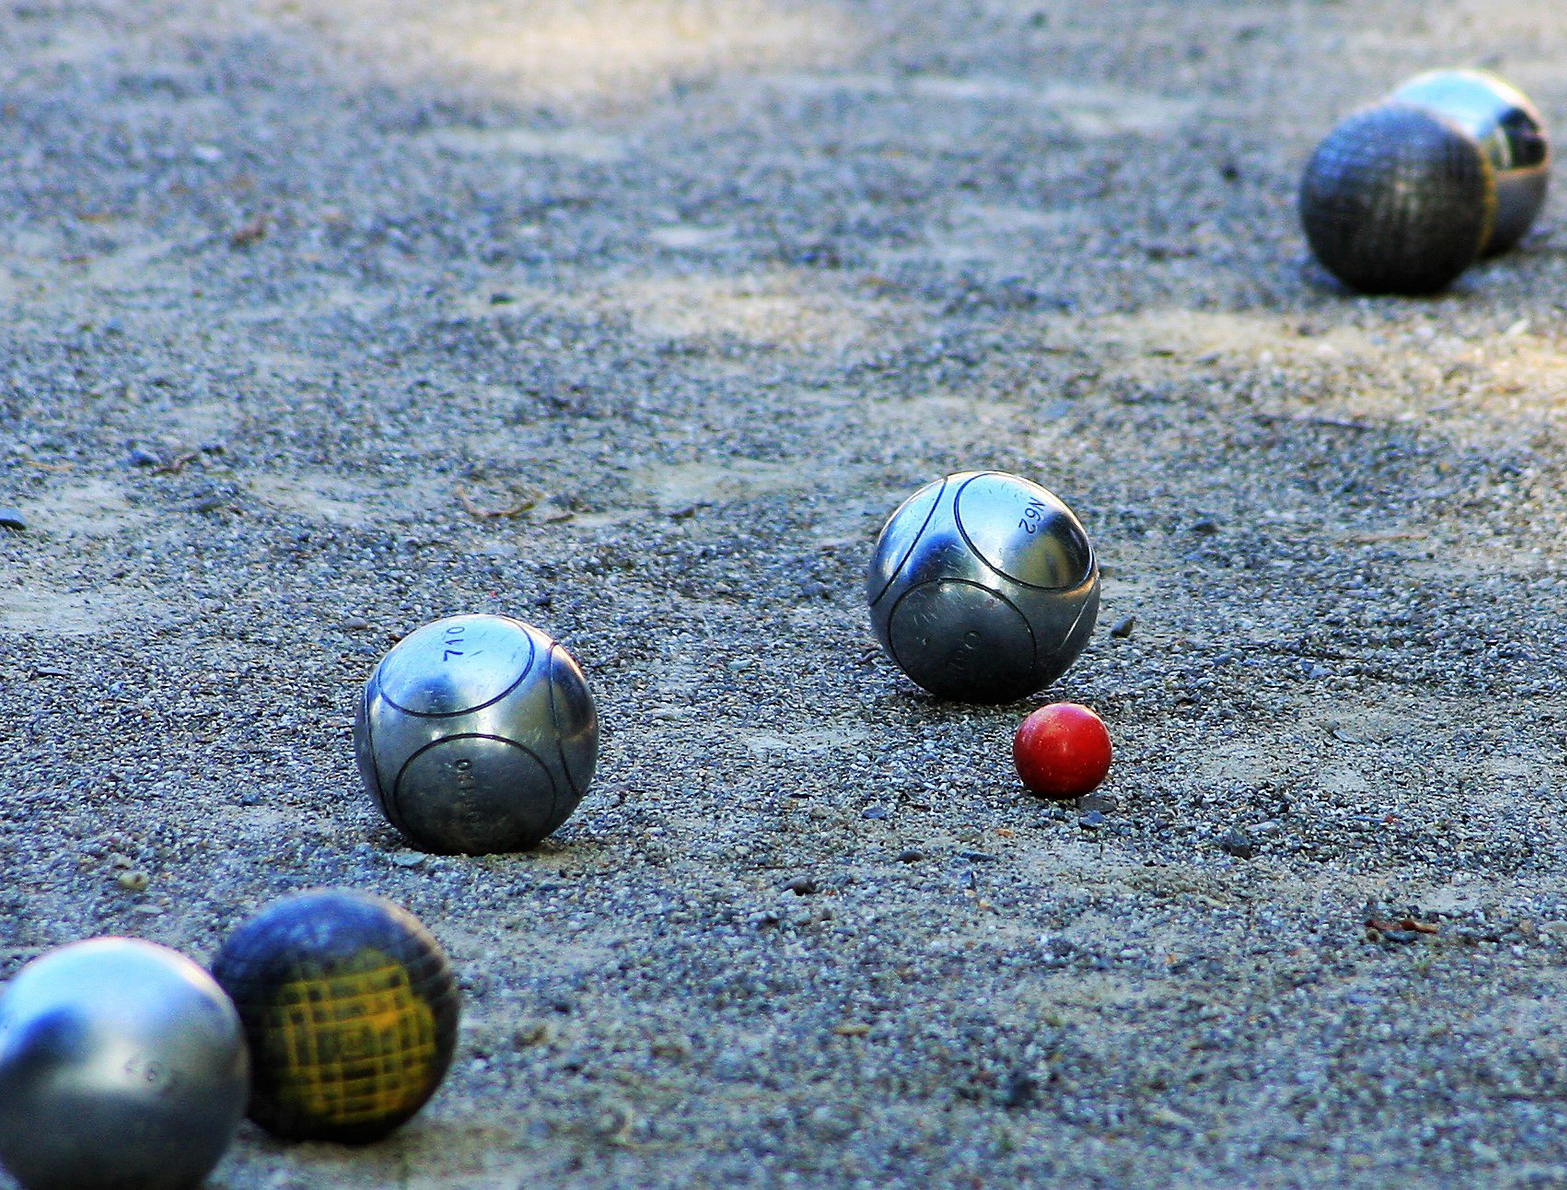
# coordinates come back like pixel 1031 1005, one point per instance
pixel 453 639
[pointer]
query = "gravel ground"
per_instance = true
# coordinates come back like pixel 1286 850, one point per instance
pixel 635 319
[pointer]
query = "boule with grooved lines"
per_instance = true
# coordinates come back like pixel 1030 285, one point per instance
pixel 122 1067
pixel 476 734
pixel 983 587
pixel 1511 135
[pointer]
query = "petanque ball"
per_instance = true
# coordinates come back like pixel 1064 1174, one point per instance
pixel 122 1067
pixel 1511 135
pixel 476 734
pixel 983 587
pixel 1397 199
pixel 350 1008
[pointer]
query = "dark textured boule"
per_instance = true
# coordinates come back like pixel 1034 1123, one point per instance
pixel 1397 199
pixel 1510 132
pixel 350 1009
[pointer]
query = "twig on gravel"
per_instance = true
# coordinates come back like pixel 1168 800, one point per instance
pixel 1378 536
pixel 1333 423
pixel 474 510
pixel 1406 929
pixel 177 464
pixel 247 235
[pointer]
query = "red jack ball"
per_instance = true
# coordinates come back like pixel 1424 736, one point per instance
pixel 1062 751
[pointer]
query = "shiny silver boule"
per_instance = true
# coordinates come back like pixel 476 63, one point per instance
pixel 476 734
pixel 983 587
pixel 1511 135
pixel 122 1065
pixel 1397 199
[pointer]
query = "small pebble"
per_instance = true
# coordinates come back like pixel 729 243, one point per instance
pixel 800 886
pixel 134 880
pixel 530 1033
pixel 356 624
pixel 910 856
pixel 408 859
pixel 11 518
pixel 1484 1153
pixel 1091 821
pixel 828 1122
pixel 670 1047
pixel 1019 1091
pixel 1122 628
pixel 874 812
pixel 1160 1114
pixel 1239 844
pixel 1404 937
pixel 1101 802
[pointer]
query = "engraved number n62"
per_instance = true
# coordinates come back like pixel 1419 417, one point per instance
pixel 1033 518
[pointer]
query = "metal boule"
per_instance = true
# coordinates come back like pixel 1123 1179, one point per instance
pixel 1510 132
pixel 122 1067
pixel 350 1008
pixel 476 734
pixel 983 587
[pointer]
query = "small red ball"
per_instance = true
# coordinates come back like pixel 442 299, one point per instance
pixel 1062 751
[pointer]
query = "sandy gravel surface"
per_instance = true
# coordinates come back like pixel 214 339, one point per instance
pixel 320 319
